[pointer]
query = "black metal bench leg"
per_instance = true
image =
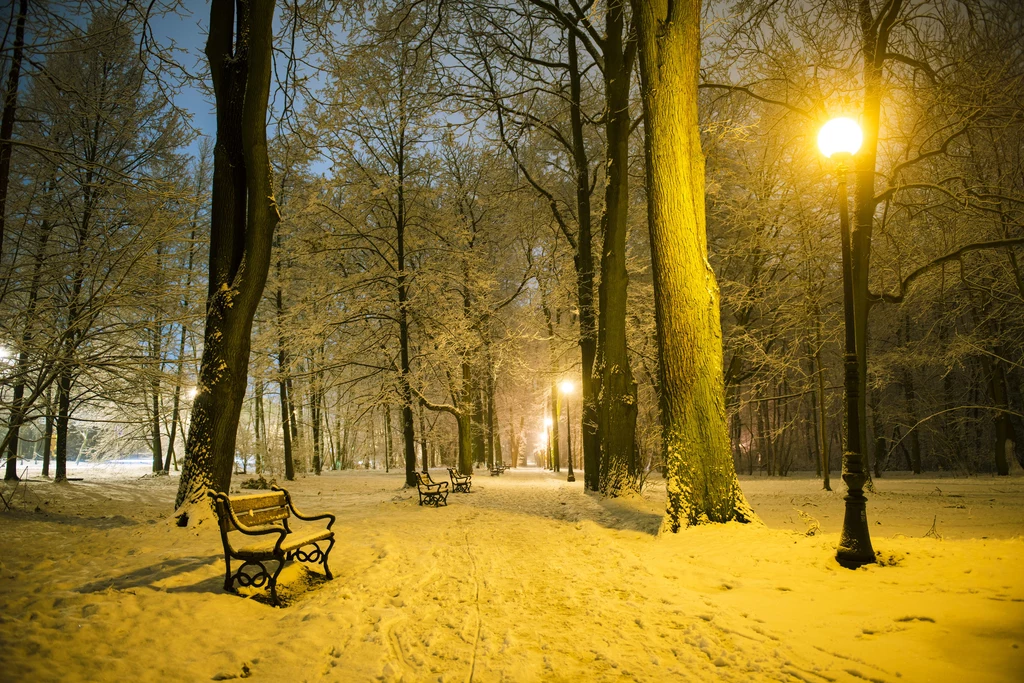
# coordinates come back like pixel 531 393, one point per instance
pixel 273 582
pixel 229 580
pixel 327 569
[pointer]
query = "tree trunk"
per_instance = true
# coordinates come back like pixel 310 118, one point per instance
pixel 702 483
pixel 1005 434
pixel 387 438
pixel 910 395
pixel 618 407
pixel 63 418
pixel 405 391
pixel 424 452
pixel 491 433
pixel 243 218
pixel 286 413
pixel 878 432
pixel 48 434
pixel 10 112
pixel 477 419
pixel 824 442
pixel 584 262
pixel 19 405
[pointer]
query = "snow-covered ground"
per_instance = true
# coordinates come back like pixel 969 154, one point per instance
pixel 525 579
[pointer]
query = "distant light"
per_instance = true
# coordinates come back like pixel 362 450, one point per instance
pixel 548 422
pixel 192 393
pixel 840 136
pixel 566 386
pixel 543 437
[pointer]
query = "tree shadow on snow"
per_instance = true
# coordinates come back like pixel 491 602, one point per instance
pixel 101 523
pixel 173 573
pixel 163 571
pixel 621 514
pixel 625 515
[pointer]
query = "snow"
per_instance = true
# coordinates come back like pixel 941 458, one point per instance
pixel 525 579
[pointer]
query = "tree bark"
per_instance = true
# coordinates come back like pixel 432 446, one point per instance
pixel 48 434
pixel 584 262
pixel 243 218
pixel 618 406
pixel 10 113
pixel 702 483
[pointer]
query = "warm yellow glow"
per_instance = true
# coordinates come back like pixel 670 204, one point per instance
pixel 547 422
pixel 566 386
pixel 840 136
pixel 192 393
pixel 543 438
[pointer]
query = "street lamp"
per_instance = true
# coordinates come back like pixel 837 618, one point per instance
pixel 566 387
pixel 840 139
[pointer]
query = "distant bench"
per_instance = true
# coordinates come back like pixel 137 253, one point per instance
pixel 258 515
pixel 498 469
pixel 460 482
pixel 431 492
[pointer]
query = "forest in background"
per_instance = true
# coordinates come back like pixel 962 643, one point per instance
pixel 462 197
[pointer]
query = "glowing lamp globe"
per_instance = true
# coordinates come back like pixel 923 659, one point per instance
pixel 566 386
pixel 548 422
pixel 840 136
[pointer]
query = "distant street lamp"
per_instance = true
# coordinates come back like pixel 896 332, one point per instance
pixel 548 465
pixel 566 388
pixel 839 140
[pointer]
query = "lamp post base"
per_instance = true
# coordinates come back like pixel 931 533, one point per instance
pixel 855 540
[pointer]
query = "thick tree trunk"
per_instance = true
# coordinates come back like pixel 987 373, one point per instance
pixel 702 483
pixel 584 262
pixel 243 218
pixel 618 406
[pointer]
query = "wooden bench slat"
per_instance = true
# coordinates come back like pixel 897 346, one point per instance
pixel 261 517
pixel 256 501
pixel 265 548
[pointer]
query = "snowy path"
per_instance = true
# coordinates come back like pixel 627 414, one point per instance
pixel 525 579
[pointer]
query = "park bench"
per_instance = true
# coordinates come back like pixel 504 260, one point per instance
pixel 498 469
pixel 431 492
pixel 265 515
pixel 460 482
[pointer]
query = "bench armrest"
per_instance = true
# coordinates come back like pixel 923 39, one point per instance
pixel 305 518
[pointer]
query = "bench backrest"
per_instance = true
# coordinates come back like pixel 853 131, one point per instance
pixel 424 479
pixel 260 509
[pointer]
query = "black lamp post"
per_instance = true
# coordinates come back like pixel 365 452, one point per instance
pixel 840 139
pixel 566 388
